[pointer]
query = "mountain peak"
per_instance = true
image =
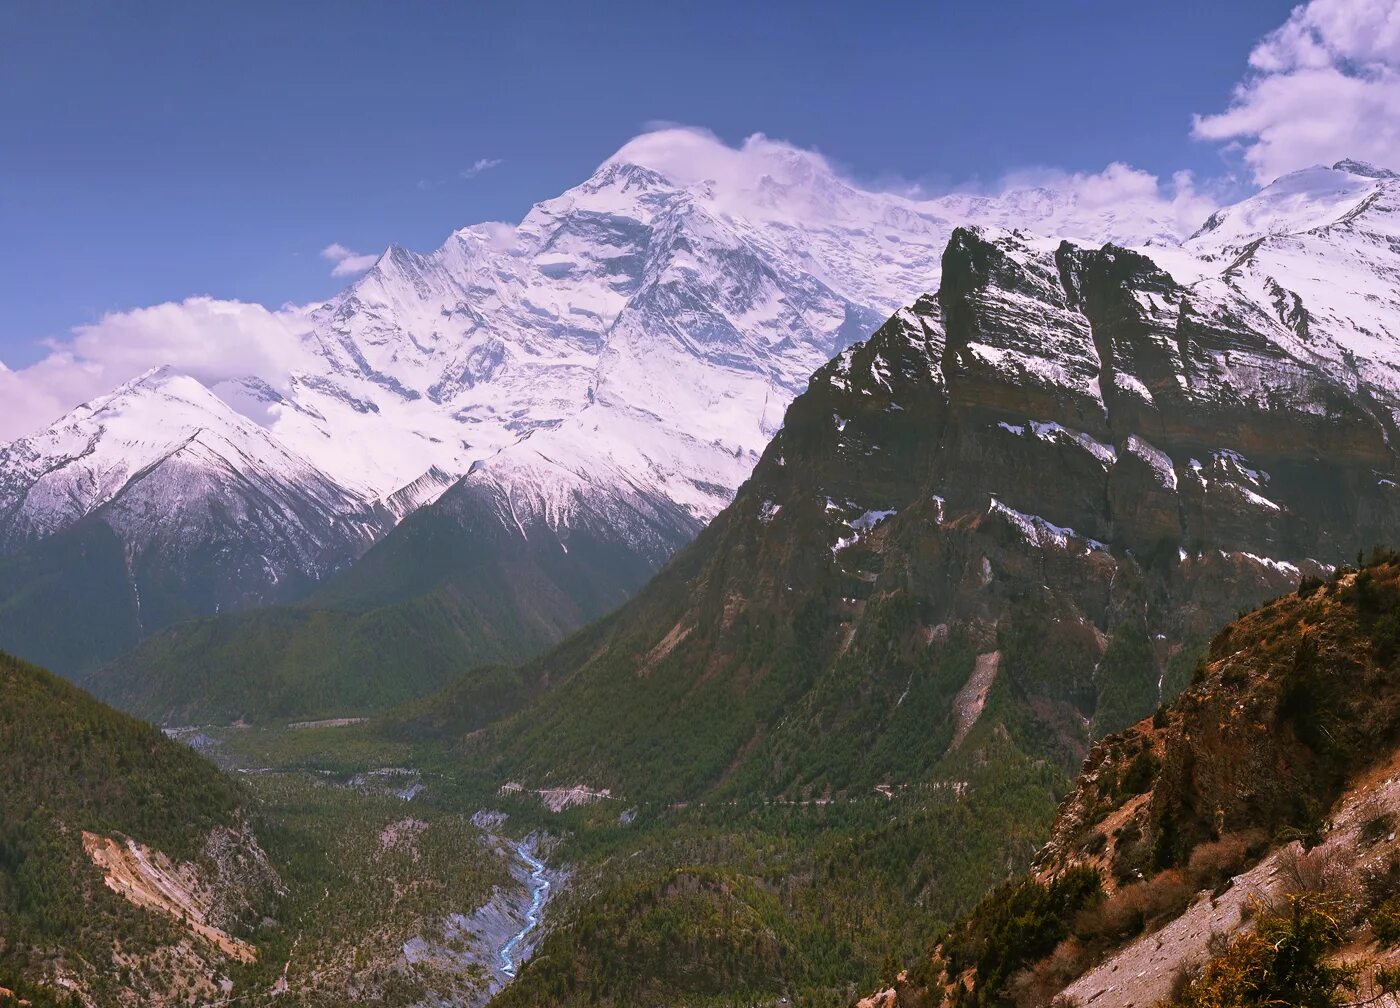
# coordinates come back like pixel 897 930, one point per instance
pixel 166 381
pixel 625 175
pixel 1364 168
pixel 154 377
pixel 1294 203
pixel 162 381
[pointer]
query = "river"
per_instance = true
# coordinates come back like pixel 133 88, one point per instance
pixel 539 892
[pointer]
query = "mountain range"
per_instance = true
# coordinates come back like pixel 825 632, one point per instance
pixel 584 391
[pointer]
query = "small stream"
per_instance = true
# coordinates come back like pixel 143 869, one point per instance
pixel 539 892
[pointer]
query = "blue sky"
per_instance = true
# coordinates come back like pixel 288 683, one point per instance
pixel 151 151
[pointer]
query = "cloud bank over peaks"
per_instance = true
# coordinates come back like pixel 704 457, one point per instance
pixel 766 178
pixel 209 339
pixel 1323 86
pixel 1176 207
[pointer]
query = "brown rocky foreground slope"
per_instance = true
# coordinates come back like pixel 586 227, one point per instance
pixel 1264 801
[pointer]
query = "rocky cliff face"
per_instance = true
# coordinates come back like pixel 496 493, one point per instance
pixel 1290 703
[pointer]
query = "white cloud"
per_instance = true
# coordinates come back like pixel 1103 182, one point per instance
pixel 1323 86
pixel 690 155
pixel 347 262
pixel 471 171
pixel 1129 203
pixel 754 178
pixel 206 338
pixel 478 166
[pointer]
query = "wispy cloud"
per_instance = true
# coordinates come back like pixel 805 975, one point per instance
pixel 1324 85
pixel 478 166
pixel 347 261
pixel 471 171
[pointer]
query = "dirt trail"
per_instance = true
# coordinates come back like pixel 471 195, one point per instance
pixel 150 880
pixel 338 722
pixel 973 696
pixel 561 798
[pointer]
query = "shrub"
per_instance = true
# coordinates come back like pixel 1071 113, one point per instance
pixel 1385 637
pixel 1166 895
pixel 1308 828
pixel 1038 986
pixel 1132 856
pixel 1308 585
pixel 1119 917
pixel 1284 961
pixel 1382 879
pixel 1020 924
pixel 1181 980
pixel 1385 922
pixel 1135 908
pixel 1319 872
pixel 1096 843
pixel 1377 828
pixel 1211 864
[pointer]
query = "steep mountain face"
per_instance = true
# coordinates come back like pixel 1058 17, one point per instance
pixel 1025 502
pixel 1254 813
pixel 81 569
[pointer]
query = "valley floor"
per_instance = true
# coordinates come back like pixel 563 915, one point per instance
pixel 409 903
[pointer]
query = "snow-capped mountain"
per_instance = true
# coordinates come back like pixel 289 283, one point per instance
pixel 614 364
pixel 700 305
pixel 213 510
pixel 1317 249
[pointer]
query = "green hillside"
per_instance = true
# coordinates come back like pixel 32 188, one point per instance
pixel 69 764
pixel 447 591
pixel 324 876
